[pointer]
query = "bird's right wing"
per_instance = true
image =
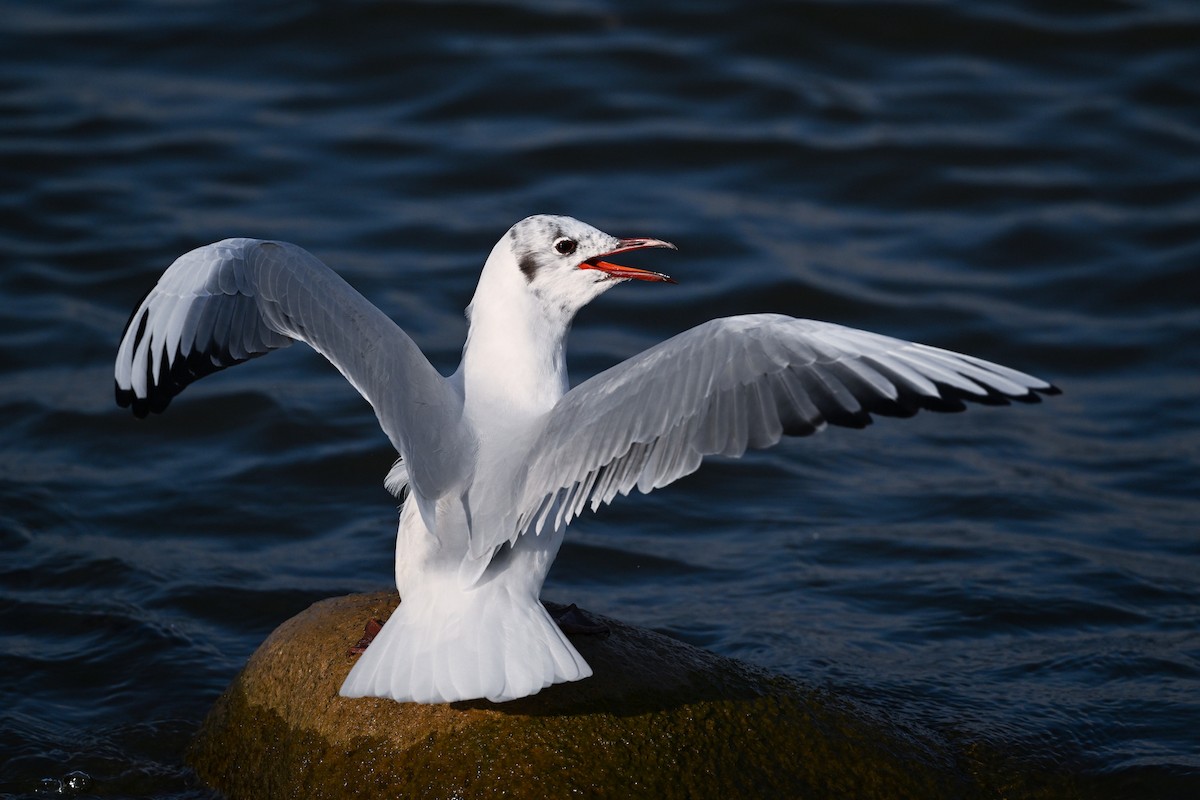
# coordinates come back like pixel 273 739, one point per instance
pixel 227 302
pixel 732 384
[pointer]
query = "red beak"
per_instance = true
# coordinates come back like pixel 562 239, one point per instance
pixel 618 271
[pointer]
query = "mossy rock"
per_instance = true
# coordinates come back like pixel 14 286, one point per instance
pixel 659 719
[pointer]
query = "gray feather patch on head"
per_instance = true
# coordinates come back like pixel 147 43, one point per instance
pixel 533 241
pixel 529 242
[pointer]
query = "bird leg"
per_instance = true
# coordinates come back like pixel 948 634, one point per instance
pixel 370 631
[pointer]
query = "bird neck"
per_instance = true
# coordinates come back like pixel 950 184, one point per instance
pixel 514 360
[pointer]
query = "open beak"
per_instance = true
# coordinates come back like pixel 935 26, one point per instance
pixel 617 271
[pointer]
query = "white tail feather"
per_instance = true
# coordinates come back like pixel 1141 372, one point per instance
pixel 491 643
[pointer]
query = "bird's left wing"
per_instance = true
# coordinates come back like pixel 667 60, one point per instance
pixel 227 302
pixel 732 384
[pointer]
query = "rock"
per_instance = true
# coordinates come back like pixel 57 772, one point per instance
pixel 659 718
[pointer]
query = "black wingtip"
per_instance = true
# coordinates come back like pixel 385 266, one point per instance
pixel 175 375
pixel 140 406
pixel 1035 394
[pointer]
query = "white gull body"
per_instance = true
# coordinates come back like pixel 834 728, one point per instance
pixel 500 456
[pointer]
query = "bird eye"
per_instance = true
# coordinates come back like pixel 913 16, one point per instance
pixel 565 246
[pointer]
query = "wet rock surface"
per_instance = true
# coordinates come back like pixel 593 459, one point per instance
pixel 659 718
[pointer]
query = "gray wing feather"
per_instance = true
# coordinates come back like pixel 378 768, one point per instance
pixel 237 299
pixel 732 384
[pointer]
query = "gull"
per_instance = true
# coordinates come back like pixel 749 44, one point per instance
pixel 496 459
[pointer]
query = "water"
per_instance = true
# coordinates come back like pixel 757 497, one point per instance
pixel 1020 181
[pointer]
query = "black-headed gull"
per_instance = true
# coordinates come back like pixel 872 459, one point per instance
pixel 500 456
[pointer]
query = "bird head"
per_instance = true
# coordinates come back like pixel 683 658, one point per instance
pixel 563 262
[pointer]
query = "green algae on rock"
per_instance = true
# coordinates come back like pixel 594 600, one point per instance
pixel 659 718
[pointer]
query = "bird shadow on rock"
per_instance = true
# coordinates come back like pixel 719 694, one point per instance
pixel 637 671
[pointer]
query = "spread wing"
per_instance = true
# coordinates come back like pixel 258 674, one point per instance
pixel 732 384
pixel 237 299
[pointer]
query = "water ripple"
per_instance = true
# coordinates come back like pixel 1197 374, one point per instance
pixel 1016 180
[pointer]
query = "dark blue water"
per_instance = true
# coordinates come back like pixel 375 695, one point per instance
pixel 1020 181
